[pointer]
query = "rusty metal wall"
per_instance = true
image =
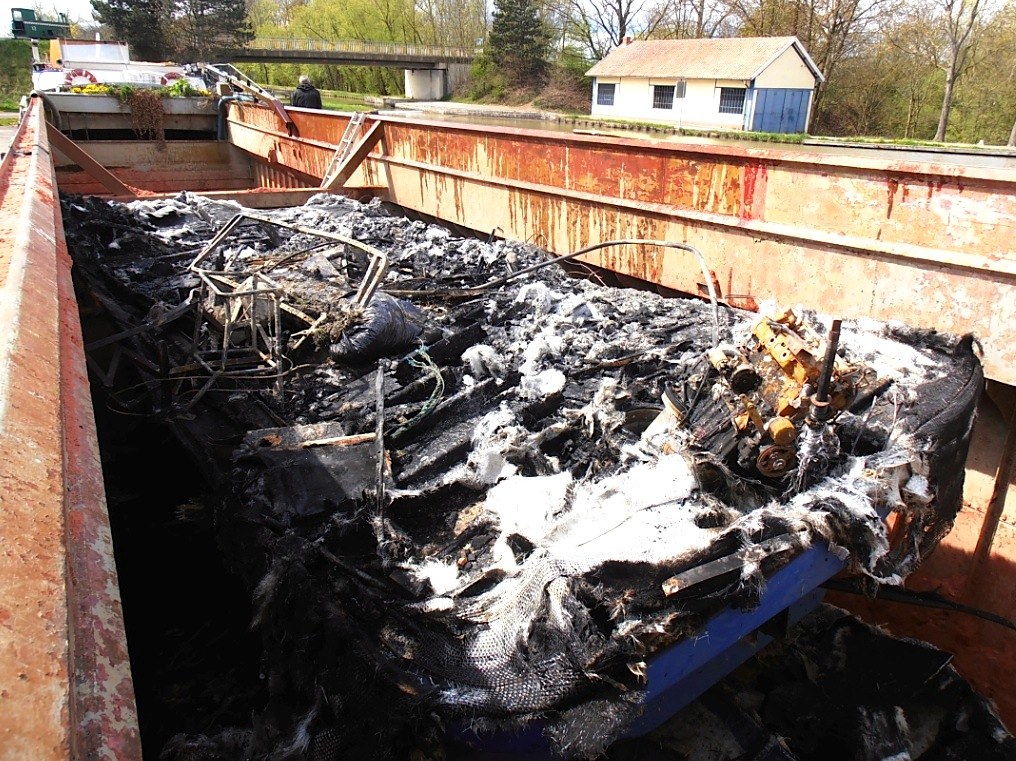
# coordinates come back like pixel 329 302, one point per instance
pixel 65 682
pixel 194 165
pixel 923 242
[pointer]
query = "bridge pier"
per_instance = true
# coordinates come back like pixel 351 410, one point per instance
pixel 426 84
pixel 435 83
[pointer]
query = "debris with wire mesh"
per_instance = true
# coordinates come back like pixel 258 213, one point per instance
pixel 559 460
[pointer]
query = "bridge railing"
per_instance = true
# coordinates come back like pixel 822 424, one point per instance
pixel 363 46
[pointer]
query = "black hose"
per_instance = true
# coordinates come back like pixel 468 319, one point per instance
pixel 923 599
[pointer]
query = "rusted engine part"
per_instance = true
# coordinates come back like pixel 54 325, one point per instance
pixel 763 392
pixel 769 410
pixel 239 325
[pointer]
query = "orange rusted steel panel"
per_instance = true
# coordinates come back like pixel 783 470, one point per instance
pixel 194 165
pixel 72 181
pixel 65 683
pixel 73 151
pixel 259 132
pixel 182 155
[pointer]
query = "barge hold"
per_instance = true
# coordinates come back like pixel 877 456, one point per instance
pixel 446 466
pixel 380 165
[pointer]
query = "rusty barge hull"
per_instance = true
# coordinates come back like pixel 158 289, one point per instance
pixel 925 243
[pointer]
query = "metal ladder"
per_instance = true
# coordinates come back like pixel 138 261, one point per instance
pixel 345 146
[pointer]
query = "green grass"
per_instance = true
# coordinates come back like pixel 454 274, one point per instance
pixel 333 104
pixel 670 129
pixel 8 121
pixel 901 141
pixel 759 137
pixel 10 102
pixel 344 95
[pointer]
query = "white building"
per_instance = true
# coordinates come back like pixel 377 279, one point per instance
pixel 738 83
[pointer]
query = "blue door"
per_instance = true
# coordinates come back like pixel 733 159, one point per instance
pixel 780 110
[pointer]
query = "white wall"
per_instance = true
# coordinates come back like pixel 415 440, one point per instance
pixel 425 84
pixel 787 72
pixel 699 109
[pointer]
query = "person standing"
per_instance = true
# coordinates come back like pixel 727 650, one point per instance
pixel 306 95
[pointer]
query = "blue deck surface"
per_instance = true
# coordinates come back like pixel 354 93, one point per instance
pixel 682 672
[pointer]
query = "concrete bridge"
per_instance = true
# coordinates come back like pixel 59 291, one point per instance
pixel 432 71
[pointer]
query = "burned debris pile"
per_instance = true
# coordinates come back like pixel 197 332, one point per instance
pixel 461 490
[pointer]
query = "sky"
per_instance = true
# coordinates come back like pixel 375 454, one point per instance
pixel 76 10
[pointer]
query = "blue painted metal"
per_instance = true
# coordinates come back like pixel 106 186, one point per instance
pixel 781 110
pixel 685 670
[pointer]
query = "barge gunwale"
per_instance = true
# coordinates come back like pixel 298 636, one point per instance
pixel 772 154
pixel 65 681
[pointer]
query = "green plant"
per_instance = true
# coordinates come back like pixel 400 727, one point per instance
pixel 181 88
pixel 122 93
pixel 15 72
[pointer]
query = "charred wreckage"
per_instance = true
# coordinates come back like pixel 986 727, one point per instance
pixel 467 488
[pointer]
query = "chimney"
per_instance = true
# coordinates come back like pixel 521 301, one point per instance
pixel 627 40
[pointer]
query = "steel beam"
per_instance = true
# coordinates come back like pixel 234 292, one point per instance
pixel 352 162
pixel 73 151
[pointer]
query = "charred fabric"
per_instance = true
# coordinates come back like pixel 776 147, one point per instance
pixel 485 491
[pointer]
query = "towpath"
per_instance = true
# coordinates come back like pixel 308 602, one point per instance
pixel 7 133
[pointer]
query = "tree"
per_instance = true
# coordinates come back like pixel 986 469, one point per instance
pixel 140 23
pixel 985 98
pixel 518 41
pixel 452 22
pixel 683 19
pixel 602 24
pixel 959 21
pixel 829 29
pixel 205 28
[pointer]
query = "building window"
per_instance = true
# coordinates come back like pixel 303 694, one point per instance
pixel 681 87
pixel 663 96
pixel 605 94
pixel 732 100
